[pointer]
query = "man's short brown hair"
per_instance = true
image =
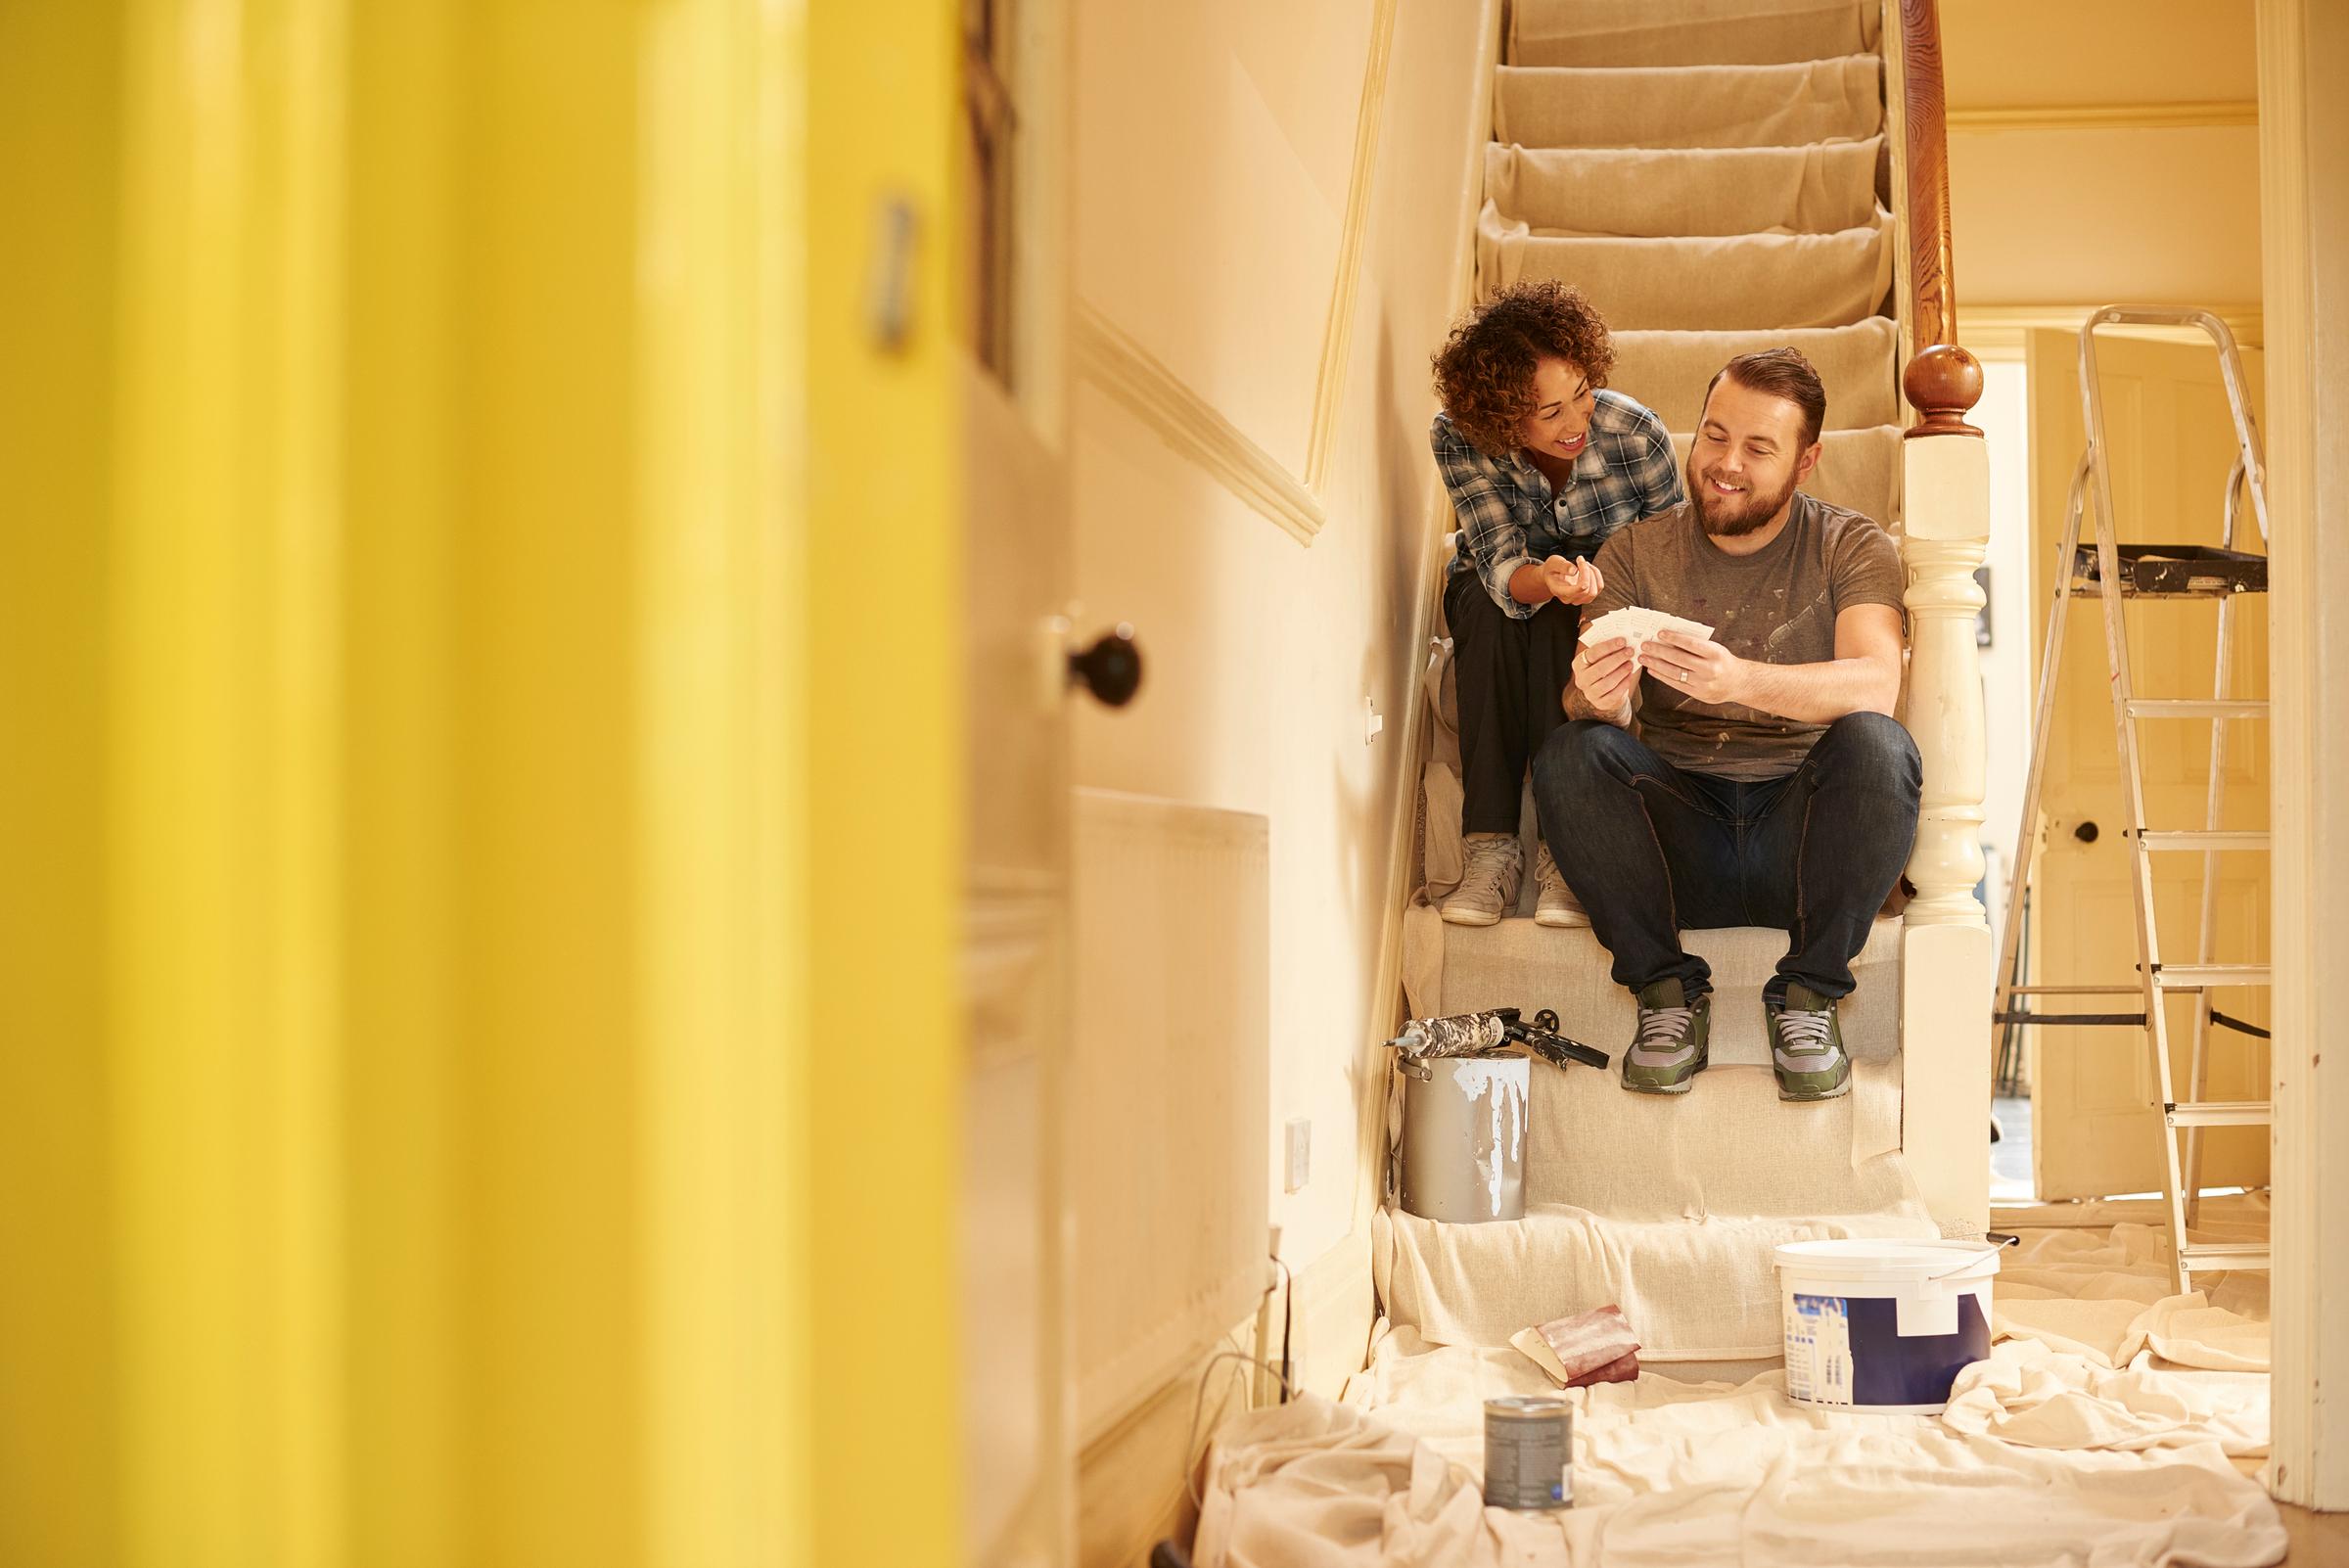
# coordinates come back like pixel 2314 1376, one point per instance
pixel 1485 370
pixel 1781 373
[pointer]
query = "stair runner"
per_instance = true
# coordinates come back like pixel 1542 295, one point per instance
pixel 1712 174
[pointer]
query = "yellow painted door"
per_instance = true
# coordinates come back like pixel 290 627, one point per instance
pixel 483 1037
pixel 1017 1499
pixel 2096 1129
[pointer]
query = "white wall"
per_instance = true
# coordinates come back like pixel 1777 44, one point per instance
pixel 1219 155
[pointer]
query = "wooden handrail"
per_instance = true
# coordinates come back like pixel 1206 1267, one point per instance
pixel 1942 381
pixel 1944 527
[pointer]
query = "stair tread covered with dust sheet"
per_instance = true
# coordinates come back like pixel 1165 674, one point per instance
pixel 1690 32
pixel 1691 106
pixel 1715 190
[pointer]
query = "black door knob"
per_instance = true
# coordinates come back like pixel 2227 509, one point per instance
pixel 1111 669
pixel 2086 833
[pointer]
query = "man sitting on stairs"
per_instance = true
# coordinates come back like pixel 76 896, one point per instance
pixel 1543 465
pixel 1766 783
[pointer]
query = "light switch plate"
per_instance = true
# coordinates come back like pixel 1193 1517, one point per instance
pixel 1300 1153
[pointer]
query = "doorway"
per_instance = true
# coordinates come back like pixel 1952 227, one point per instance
pixel 2074 1106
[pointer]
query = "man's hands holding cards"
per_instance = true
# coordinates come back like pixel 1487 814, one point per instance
pixel 1691 661
pixel 1605 672
pixel 1622 643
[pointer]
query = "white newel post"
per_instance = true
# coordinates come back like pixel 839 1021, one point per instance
pixel 1946 958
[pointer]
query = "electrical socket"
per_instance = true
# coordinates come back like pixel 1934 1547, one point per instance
pixel 1300 1152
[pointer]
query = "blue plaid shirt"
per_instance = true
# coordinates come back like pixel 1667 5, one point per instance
pixel 1509 517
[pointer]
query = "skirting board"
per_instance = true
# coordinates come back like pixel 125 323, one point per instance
pixel 1131 1481
pixel 1331 1318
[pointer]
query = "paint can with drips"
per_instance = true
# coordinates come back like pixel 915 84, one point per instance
pixel 1463 1136
pixel 1528 1443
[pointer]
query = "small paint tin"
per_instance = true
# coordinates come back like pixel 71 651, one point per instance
pixel 1525 1446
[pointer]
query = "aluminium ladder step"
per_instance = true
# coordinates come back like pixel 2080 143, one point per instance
pixel 2220 1113
pixel 2166 838
pixel 2208 977
pixel 2210 1257
pixel 2197 708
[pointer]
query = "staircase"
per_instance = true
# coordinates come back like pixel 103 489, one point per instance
pixel 1714 176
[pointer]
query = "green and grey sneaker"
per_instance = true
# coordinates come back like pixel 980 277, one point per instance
pixel 1805 1045
pixel 1669 1050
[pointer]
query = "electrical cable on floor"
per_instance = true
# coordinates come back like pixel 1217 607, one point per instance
pixel 1190 1484
pixel 1288 1311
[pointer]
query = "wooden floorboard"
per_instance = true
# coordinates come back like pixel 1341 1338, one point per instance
pixel 2319 1540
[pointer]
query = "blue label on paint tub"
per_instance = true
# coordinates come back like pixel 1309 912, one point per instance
pixel 1818 1350
pixel 1849 1349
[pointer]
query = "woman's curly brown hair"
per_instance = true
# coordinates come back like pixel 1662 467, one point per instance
pixel 1485 370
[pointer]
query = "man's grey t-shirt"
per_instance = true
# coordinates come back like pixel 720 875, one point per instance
pixel 1778 605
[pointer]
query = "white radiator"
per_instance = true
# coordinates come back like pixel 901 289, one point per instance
pixel 1168 1097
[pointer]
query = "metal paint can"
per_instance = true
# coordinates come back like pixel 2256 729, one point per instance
pixel 1527 1445
pixel 1463 1138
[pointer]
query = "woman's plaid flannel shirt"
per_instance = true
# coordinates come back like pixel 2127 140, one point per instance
pixel 1508 515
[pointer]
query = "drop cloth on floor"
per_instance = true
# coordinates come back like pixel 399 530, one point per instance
pixel 2105 1294
pixel 2086 1440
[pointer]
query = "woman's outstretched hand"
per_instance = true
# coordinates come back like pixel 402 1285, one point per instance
pixel 1572 581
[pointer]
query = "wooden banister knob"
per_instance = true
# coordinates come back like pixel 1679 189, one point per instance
pixel 1943 383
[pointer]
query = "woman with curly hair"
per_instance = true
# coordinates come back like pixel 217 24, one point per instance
pixel 1543 464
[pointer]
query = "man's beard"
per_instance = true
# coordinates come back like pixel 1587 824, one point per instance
pixel 1739 515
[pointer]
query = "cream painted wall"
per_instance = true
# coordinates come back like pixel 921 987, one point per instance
pixel 2029 54
pixel 1218 149
pixel 1214 152
pixel 2096 216
pixel 2092 211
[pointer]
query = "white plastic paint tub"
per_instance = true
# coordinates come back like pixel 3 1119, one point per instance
pixel 1463 1138
pixel 1881 1325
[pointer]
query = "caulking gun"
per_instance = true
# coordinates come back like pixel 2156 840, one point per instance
pixel 1472 1033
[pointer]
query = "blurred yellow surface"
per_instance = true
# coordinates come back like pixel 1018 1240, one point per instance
pixel 480 1037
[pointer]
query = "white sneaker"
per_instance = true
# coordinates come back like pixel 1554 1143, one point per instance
pixel 1488 886
pixel 1559 906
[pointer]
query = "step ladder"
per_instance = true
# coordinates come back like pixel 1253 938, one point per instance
pixel 2115 573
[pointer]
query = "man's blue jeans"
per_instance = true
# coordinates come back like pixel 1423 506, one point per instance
pixel 1652 850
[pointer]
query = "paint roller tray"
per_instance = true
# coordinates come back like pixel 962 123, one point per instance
pixel 2173 572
